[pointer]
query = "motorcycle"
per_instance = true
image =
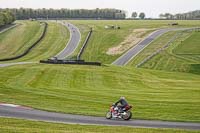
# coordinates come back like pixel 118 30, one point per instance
pixel 123 113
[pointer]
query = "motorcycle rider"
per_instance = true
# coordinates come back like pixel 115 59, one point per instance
pixel 121 103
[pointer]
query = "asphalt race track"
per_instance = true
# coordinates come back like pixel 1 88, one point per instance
pixel 75 37
pixel 16 111
pixel 17 63
pixel 130 54
pixel 8 28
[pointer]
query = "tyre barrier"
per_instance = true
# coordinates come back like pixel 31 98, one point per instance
pixel 71 62
pixel 31 47
pixel 84 45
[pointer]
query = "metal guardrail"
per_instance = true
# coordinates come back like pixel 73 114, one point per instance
pixel 84 45
pixel 30 48
pixel 164 47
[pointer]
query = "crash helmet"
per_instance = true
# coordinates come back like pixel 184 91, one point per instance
pixel 122 97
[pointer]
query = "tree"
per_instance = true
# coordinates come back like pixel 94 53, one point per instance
pixel 6 17
pixel 168 15
pixel 134 15
pixel 142 15
pixel 2 22
pixel 10 17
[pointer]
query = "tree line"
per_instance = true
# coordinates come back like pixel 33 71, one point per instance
pixel 27 13
pixel 6 17
pixel 181 16
pixel 141 15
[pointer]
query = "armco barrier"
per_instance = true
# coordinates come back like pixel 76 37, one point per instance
pixel 30 48
pixel 72 62
pixel 84 45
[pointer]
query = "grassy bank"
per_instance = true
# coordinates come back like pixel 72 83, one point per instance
pixel 24 126
pixel 183 55
pixel 90 90
pixel 54 41
pixel 15 41
pixel 102 39
pixel 153 47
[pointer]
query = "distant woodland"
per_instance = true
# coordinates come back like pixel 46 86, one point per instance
pixel 27 13
pixel 182 16
pixel 7 16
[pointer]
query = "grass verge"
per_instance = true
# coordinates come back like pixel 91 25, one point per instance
pixel 24 126
pixel 15 41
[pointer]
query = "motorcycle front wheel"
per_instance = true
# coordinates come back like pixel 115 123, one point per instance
pixel 127 116
pixel 108 115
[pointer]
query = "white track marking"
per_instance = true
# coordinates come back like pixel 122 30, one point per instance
pixel 10 105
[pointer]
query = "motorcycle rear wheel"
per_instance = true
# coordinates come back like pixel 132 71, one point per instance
pixel 127 116
pixel 108 115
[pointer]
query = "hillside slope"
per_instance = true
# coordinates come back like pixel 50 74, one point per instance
pixel 105 40
pixel 182 55
pixel 15 41
pixel 90 90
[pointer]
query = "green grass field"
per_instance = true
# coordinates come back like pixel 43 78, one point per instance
pixel 183 55
pixel 24 126
pixel 102 39
pixel 54 41
pixel 90 90
pixel 154 46
pixel 15 41
pixel 190 46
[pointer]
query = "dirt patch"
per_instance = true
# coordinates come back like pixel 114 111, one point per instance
pixel 134 38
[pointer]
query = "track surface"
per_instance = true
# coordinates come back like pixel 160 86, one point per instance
pixel 130 54
pixel 73 43
pixel 14 111
pixel 8 28
pixel 17 63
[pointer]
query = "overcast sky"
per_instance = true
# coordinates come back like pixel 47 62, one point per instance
pixel 152 8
